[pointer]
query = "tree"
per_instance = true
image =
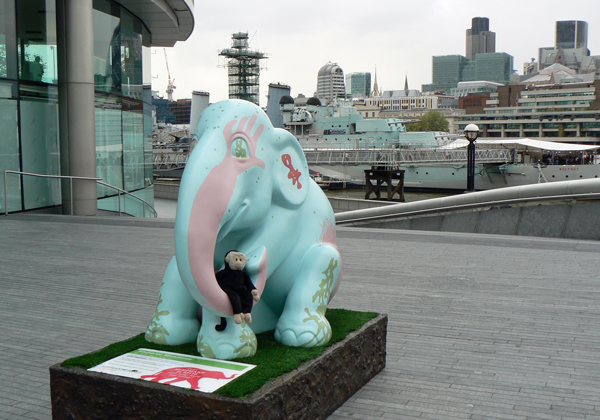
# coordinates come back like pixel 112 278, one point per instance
pixel 432 121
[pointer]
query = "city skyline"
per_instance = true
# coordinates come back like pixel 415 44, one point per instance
pixel 397 39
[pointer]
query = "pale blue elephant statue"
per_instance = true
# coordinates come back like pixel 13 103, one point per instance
pixel 246 187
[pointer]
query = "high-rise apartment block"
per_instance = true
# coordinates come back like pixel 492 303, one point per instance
pixel 358 84
pixel 479 38
pixel 330 82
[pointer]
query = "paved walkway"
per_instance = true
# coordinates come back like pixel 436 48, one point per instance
pixel 480 326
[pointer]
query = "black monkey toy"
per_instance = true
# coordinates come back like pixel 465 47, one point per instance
pixel 236 283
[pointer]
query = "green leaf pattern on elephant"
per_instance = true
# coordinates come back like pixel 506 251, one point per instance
pixel 323 329
pixel 240 151
pixel 156 333
pixel 204 349
pixel 321 296
pixel 249 345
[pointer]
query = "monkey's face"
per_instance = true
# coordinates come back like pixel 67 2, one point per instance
pixel 236 260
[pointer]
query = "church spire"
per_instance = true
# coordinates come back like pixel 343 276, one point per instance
pixel 406 83
pixel 375 87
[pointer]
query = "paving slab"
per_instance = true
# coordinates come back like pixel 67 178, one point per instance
pixel 480 326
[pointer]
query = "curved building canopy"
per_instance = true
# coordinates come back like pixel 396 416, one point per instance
pixel 168 21
pixel 330 69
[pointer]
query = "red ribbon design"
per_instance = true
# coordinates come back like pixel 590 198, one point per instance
pixel 294 174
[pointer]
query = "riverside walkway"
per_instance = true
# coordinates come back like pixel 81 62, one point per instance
pixel 480 326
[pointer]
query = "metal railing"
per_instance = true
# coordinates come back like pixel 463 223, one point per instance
pixel 169 160
pixel 70 178
pixel 126 193
pixel 395 157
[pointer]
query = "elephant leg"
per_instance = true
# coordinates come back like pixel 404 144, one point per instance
pixel 303 322
pixel 235 342
pixel 175 320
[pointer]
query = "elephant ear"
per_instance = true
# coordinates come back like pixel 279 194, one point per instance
pixel 291 179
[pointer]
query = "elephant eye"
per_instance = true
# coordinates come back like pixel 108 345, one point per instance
pixel 240 149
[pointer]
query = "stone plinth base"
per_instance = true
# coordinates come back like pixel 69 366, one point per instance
pixel 313 391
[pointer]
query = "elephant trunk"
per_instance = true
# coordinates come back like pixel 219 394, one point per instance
pixel 208 211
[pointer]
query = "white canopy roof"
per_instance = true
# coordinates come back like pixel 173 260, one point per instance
pixel 537 144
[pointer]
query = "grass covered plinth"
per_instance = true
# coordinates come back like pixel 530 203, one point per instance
pixel 272 359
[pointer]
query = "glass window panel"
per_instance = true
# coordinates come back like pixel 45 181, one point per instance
pixel 148 152
pixel 146 53
pixel 8 43
pixel 131 56
pixel 107 47
pixel 9 154
pixel 40 152
pixel 109 145
pixel 3 28
pixel 133 149
pixel 36 25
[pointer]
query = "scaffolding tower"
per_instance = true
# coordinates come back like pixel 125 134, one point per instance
pixel 243 66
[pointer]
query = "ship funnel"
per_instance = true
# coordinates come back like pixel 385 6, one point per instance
pixel 200 100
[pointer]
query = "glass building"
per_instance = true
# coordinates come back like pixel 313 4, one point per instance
pixel 449 70
pixel 358 85
pixel 571 34
pixel 75 100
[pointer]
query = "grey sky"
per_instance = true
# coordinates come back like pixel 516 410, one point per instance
pixel 399 37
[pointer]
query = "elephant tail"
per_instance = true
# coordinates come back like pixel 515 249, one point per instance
pixel 222 325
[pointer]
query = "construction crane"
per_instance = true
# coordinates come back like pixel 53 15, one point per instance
pixel 170 86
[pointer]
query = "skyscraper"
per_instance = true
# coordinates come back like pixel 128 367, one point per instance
pixel 479 38
pixel 571 34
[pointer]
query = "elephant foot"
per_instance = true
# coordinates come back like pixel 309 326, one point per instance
pixel 248 318
pixel 235 342
pixel 312 330
pixel 167 329
pixel 237 318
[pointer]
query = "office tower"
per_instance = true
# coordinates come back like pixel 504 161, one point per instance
pixel 330 82
pixel 449 70
pixel 358 84
pixel 479 38
pixel 571 34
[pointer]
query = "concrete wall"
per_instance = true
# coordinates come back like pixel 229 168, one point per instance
pixel 166 190
pixel 575 220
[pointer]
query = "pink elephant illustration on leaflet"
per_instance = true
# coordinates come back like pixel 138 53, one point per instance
pixel 189 374
pixel 246 187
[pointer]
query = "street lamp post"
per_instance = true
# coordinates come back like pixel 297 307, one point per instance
pixel 471 133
